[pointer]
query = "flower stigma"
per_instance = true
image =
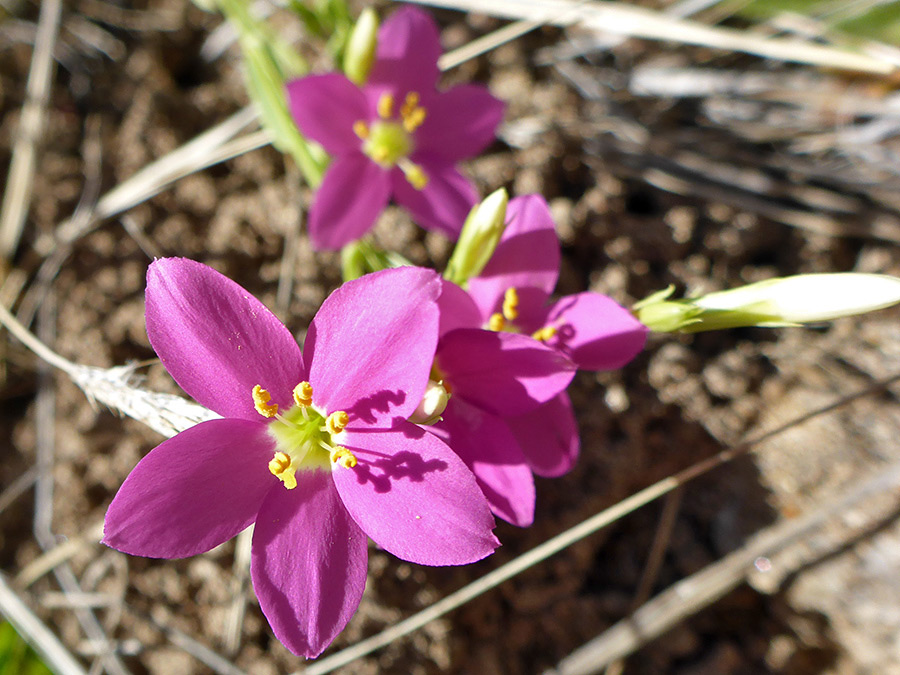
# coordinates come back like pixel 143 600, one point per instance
pixel 304 435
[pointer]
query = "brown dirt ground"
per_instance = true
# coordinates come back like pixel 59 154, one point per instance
pixel 682 400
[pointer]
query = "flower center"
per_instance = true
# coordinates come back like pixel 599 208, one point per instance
pixel 504 319
pixel 388 140
pixel 304 435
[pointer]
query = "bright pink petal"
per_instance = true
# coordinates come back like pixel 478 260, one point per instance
pixel 408 49
pixel 216 340
pixel 457 308
pixel 488 447
pixel 460 123
pixel 352 194
pixel 371 344
pixel 443 203
pixel 597 332
pixel 193 491
pixel 548 436
pixel 414 497
pixel 504 373
pixel 527 255
pixel 325 108
pixel 309 563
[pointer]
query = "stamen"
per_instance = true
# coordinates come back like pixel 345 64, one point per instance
pixel 261 400
pixel 341 455
pixel 361 129
pixel 336 422
pixel 303 394
pixel 544 334
pixel 511 303
pixel 385 106
pixel 280 466
pixel 412 113
pixel 496 322
pixel 414 173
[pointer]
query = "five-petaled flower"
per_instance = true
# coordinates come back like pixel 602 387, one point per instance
pixel 315 448
pixel 505 439
pixel 397 135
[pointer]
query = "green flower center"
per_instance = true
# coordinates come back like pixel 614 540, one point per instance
pixel 388 141
pixel 304 436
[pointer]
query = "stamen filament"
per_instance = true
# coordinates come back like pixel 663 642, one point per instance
pixel 414 173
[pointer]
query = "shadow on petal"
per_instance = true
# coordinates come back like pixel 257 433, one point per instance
pixel 380 402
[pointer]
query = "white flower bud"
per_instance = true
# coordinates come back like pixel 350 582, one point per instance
pixel 804 298
pixel 433 403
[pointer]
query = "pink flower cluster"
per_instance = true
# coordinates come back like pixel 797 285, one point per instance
pixel 315 446
pixel 319 448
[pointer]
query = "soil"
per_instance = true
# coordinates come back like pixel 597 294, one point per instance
pixel 576 134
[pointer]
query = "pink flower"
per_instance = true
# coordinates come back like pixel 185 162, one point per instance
pixel 397 135
pixel 315 450
pixel 503 441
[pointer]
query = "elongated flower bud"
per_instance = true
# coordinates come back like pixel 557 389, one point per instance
pixel 479 237
pixel 433 403
pixel 785 301
pixel 360 53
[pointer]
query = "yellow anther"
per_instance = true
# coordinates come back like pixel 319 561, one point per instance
pixel 385 106
pixel 336 422
pixel 414 174
pixel 361 129
pixel 414 119
pixel 261 400
pixel 412 113
pixel 280 466
pixel 496 322
pixel 341 455
pixel 511 304
pixel 303 394
pixel 544 334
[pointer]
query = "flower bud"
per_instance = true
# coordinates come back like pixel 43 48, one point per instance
pixel 433 403
pixel 360 53
pixel 479 237
pixel 785 301
pixel 807 297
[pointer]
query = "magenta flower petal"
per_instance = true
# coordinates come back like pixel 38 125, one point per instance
pixel 596 331
pixel 457 309
pixel 414 497
pixel 489 449
pixel 352 194
pixel 504 373
pixel 443 203
pixel 549 437
pixel 408 49
pixel 216 340
pixel 371 344
pixel 308 563
pixel 461 123
pixel 325 108
pixel 527 255
pixel 193 491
